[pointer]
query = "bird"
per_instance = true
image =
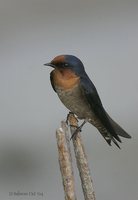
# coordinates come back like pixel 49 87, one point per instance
pixel 79 95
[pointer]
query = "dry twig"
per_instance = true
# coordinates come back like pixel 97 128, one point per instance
pixel 82 162
pixel 65 162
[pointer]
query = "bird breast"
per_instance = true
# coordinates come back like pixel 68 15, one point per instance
pixel 75 102
pixel 67 86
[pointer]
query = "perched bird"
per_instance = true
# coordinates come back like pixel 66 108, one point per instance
pixel 77 92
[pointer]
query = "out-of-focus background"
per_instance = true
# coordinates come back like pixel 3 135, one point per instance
pixel 104 35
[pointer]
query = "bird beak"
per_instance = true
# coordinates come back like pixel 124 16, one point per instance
pixel 50 64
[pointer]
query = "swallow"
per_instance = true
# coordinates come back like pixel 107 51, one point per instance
pixel 77 92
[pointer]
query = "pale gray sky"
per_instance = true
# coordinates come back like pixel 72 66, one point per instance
pixel 104 35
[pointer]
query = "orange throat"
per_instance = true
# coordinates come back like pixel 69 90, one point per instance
pixel 65 79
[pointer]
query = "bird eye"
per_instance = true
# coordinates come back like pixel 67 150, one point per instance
pixel 65 64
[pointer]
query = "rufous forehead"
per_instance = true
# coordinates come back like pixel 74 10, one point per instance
pixel 58 59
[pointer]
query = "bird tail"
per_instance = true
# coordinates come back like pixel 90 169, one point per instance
pixel 119 131
pixel 109 137
pixel 113 134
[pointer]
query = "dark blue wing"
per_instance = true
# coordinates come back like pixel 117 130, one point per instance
pixel 92 97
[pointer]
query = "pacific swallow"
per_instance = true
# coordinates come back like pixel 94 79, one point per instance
pixel 77 92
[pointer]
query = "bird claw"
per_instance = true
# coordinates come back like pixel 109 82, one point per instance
pixel 67 119
pixel 78 128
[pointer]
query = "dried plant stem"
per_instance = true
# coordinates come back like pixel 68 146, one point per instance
pixel 81 159
pixel 65 162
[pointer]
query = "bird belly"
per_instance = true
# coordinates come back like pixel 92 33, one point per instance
pixel 75 102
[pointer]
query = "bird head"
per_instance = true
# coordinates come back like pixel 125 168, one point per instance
pixel 67 62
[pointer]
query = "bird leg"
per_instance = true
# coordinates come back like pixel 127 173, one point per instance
pixel 78 129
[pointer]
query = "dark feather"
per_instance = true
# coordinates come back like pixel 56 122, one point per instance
pixel 92 97
pixel 52 81
pixel 118 129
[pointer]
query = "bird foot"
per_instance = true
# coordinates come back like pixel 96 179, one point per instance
pixel 68 115
pixel 78 129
